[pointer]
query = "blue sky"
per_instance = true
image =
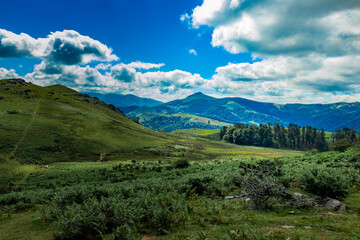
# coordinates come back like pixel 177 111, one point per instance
pixel 145 30
pixel 303 52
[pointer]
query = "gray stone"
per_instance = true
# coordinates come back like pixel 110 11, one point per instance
pixel 332 203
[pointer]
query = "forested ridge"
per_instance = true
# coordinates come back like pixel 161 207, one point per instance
pixel 291 137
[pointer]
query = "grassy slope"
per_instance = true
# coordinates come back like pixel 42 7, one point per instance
pixel 51 124
pixel 207 133
pixel 171 122
pixel 56 120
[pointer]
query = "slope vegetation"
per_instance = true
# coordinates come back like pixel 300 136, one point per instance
pixel 55 123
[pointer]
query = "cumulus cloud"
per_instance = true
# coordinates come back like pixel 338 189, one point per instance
pixel 123 73
pixel 120 78
pixel 268 27
pixel 193 52
pixel 103 66
pixel 306 50
pixel 67 47
pixel 291 79
pixel 65 56
pixel 13 45
pixel 126 72
pixel 146 66
pixel 4 73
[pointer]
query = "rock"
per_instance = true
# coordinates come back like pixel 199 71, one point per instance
pixel 229 197
pixel 335 204
pixel 297 195
pixel 288 227
pixel 20 81
pixel 332 203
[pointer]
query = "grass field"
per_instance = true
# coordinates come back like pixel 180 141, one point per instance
pixel 26 212
pixel 51 124
pixel 198 131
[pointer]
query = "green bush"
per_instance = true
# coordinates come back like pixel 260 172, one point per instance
pixel 84 213
pixel 182 163
pixel 340 145
pixel 262 189
pixel 124 232
pixel 325 181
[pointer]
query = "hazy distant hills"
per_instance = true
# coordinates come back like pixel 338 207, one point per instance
pixel 124 101
pixel 233 110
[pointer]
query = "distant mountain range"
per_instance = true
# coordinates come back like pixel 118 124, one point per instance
pixel 234 110
pixel 125 101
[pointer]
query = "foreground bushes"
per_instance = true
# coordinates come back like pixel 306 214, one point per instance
pixel 125 211
pixel 145 212
pixel 326 181
pixel 129 200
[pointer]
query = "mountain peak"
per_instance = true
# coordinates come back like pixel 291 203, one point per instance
pixel 198 95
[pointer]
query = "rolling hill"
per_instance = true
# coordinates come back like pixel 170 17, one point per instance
pixel 173 122
pixel 233 110
pixel 55 123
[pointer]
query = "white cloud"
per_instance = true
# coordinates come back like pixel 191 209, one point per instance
pixel 193 52
pixel 65 55
pixel 121 78
pixel 123 73
pixel 66 47
pixel 146 66
pixel 185 18
pixel 4 73
pixel 289 79
pixel 103 66
pixel 272 27
pixel 310 50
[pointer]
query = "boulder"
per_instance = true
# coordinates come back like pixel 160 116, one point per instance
pixel 332 203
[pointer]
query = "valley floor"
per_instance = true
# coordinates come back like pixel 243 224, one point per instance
pixel 177 192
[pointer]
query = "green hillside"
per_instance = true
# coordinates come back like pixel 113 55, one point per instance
pixel 55 123
pixel 171 122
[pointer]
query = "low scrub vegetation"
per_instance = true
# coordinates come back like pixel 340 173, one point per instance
pixel 194 199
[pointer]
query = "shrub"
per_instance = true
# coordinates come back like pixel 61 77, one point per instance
pixel 182 163
pixel 88 216
pixel 12 111
pixel 4 189
pixel 325 181
pixel 124 232
pixel 205 185
pixel 261 188
pixel 301 201
pixel 340 145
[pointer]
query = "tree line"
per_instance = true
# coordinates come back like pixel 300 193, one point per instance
pixel 291 137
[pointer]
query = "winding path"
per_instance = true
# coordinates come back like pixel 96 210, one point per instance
pixel 25 131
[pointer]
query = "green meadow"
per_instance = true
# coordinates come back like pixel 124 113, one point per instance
pixel 167 199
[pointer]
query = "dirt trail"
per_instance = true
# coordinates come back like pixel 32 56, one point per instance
pixel 25 131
